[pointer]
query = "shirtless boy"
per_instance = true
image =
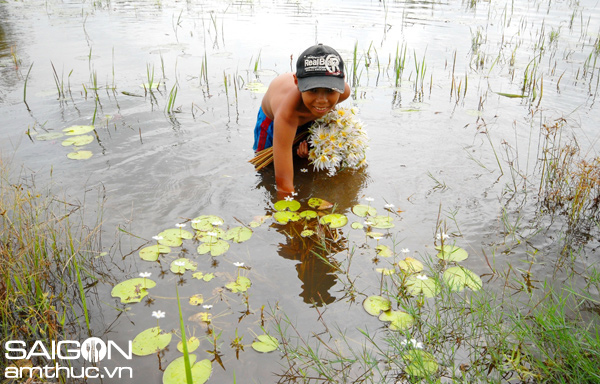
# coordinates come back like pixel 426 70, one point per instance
pixel 293 100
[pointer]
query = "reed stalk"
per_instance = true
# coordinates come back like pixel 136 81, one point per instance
pixel 265 157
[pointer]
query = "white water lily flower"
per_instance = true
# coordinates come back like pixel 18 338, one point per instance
pixel 238 264
pixel 157 238
pixel 179 263
pixel 389 206
pixel 442 236
pixel 289 198
pixel 304 170
pixel 180 225
pixel 413 342
pixel 212 234
pixel 158 314
pixel 217 223
pixel 207 306
pixel 405 250
pixel 369 199
pixel 145 274
pixel 422 277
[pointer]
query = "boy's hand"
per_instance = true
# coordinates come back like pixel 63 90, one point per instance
pixel 303 149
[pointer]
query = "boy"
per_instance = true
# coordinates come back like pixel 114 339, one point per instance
pixel 293 100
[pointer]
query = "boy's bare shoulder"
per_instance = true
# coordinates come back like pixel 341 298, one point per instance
pixel 282 96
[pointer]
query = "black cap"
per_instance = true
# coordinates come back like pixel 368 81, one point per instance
pixel 320 66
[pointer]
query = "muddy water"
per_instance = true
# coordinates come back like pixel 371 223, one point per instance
pixel 449 141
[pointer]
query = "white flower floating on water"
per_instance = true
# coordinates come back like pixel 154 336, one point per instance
pixel 304 170
pixel 207 306
pixel 338 141
pixel 157 238
pixel 405 250
pixel 158 314
pixel 413 342
pixel 422 277
pixel 238 264
pixel 442 236
pixel 289 198
pixel 179 263
pixel 180 225
pixel 145 274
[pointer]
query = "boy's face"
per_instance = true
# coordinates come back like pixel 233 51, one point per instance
pixel 319 101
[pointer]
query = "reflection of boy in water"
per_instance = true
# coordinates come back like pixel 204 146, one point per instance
pixel 294 100
pixel 317 276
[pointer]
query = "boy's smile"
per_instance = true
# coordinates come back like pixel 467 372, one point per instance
pixel 319 101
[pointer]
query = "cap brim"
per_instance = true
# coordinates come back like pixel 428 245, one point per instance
pixel 336 83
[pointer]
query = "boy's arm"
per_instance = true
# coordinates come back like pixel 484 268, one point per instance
pixel 284 132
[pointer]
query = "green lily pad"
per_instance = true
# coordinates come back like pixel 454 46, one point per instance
pixel 416 285
pixel 192 344
pixel 80 155
pixel 308 214
pixel 386 271
pixel 206 222
pixel 384 251
pixel 419 363
pixel 357 225
pixel 374 305
pixel 216 249
pixel 181 265
pixel 133 290
pixel 319 204
pixel 259 220
pixel 211 236
pixel 78 130
pixel 410 265
pixel 197 299
pixel 452 253
pixel 241 284
pixel 459 277
pixel 382 222
pixel 175 372
pixel 362 210
pixel 203 276
pixel 307 233
pixel 150 341
pixel 238 234
pixel 152 252
pixel 287 205
pixel 399 320
pixel 49 136
pixel 265 344
pixel 375 235
pixel 286 216
pixel 178 233
pixel 334 220
pixel 78 141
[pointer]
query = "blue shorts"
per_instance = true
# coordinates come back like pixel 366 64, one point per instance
pixel 263 132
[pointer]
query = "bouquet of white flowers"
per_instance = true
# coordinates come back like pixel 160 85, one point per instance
pixel 338 141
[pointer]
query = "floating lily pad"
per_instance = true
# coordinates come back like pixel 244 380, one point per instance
pixel 150 341
pixel 78 130
pixel 459 277
pixel 308 214
pixel 241 284
pixel 452 253
pixel 238 234
pixel 334 220
pixel 286 216
pixel 49 136
pixel 175 372
pixel 152 252
pixel 384 251
pixel 399 320
pixel 216 249
pixel 181 265
pixel 382 222
pixel 416 285
pixel 80 155
pixel 203 276
pixel 265 344
pixel 374 305
pixel 78 141
pixel 357 225
pixel 197 299
pixel 319 204
pixel 410 265
pixel 192 344
pixel 375 235
pixel 259 220
pixel 307 233
pixel 133 290
pixel 419 363
pixel 177 233
pixel 202 317
pixel 287 205
pixel 362 210
pixel 211 236
pixel 206 222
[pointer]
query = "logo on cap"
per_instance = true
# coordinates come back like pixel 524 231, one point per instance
pixel 329 64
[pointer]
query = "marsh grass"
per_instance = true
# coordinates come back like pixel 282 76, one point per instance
pixel 476 337
pixel 45 264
